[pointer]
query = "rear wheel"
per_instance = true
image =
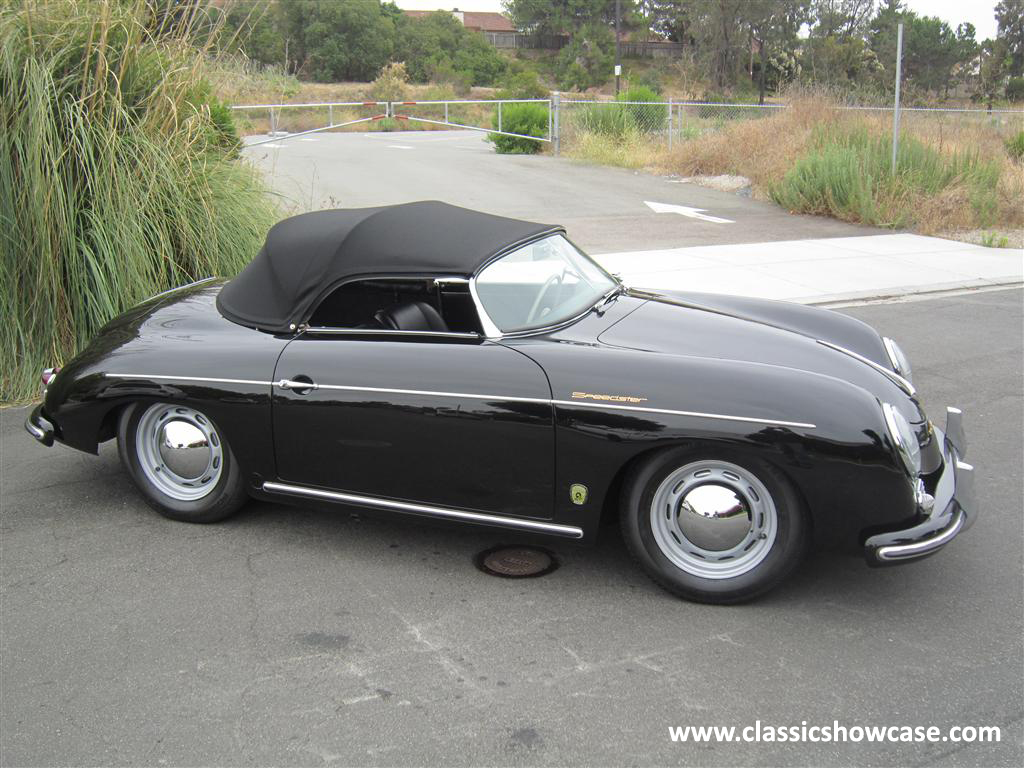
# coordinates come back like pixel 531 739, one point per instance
pixel 711 525
pixel 180 462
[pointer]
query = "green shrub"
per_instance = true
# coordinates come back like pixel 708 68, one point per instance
pixel 847 174
pixel 527 119
pixel 522 84
pixel 1015 146
pixel 647 118
pixel 116 180
pixel 1015 89
pixel 587 60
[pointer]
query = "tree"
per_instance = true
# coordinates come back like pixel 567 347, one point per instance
pixel 1010 18
pixel 338 41
pixel 587 59
pixel 255 30
pixel 438 45
pixel 773 27
pixel 931 49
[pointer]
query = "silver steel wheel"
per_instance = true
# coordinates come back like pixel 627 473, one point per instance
pixel 713 519
pixel 179 451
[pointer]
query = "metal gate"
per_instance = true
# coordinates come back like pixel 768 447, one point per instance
pixel 289 121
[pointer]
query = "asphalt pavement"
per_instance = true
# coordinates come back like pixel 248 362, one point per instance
pixel 604 209
pixel 293 636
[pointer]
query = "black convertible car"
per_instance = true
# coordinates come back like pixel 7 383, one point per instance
pixel 432 361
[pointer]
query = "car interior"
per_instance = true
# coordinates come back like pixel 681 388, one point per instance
pixel 422 304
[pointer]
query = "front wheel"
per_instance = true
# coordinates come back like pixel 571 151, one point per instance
pixel 180 462
pixel 712 526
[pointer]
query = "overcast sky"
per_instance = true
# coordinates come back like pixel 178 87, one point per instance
pixel 953 12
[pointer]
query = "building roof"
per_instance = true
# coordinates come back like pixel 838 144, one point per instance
pixel 487 21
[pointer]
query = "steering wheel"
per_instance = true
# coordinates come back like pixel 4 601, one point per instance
pixel 538 302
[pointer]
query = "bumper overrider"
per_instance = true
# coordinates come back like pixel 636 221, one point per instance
pixel 950 511
pixel 39 426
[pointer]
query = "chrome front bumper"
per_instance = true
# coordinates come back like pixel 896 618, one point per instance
pixel 953 512
pixel 39 426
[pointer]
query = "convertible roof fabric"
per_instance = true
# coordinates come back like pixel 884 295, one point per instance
pixel 307 256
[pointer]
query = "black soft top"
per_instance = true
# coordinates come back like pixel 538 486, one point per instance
pixel 307 256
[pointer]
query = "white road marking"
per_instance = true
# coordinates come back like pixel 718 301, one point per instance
pixel 272 146
pixel 398 146
pixel 682 210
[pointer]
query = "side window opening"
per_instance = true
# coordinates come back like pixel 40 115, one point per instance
pixel 375 304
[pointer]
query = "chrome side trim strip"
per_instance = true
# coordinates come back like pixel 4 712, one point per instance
pixel 695 414
pixel 901 382
pixel 200 281
pixel 286 384
pixel 184 378
pixel 570 531
pixel 434 393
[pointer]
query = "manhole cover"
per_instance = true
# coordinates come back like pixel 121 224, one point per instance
pixel 516 562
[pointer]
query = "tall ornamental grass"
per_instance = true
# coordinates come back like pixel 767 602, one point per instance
pixel 847 173
pixel 118 172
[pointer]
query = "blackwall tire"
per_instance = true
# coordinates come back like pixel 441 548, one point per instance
pixel 712 525
pixel 180 462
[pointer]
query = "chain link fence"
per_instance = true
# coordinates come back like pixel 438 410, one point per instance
pixel 667 123
pixel 566 122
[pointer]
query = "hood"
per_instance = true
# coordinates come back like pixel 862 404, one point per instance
pixel 673 326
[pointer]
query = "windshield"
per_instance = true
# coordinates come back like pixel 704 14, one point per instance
pixel 541 284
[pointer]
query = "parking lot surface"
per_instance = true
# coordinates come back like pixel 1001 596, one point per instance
pixel 295 636
pixel 604 209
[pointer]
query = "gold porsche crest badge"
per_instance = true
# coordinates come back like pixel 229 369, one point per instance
pixel 578 493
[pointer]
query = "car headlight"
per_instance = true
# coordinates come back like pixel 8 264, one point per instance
pixel 904 438
pixel 898 358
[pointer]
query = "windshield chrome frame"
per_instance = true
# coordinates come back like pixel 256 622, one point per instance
pixel 491 330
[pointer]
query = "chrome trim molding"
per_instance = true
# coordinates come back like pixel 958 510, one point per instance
pixel 180 287
pixel 901 382
pixel 288 384
pixel 491 331
pixel 695 414
pixel 434 393
pixel 184 378
pixel 386 332
pixel 570 531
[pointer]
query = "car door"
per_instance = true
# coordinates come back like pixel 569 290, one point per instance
pixel 447 421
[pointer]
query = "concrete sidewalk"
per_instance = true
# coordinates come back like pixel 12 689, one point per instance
pixel 822 271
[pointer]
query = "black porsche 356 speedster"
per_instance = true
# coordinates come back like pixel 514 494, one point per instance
pixel 432 361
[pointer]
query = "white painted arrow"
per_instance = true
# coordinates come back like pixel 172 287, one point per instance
pixel 682 210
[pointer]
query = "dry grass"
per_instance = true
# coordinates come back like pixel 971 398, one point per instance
pixel 765 150
pixel 632 150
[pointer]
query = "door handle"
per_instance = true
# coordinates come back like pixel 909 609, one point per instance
pixel 299 384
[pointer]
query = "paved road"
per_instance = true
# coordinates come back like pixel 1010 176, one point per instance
pixel 602 208
pixel 303 637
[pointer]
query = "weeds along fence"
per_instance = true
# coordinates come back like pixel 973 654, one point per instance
pixel 669 122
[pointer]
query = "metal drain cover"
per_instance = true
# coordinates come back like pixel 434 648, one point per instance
pixel 516 562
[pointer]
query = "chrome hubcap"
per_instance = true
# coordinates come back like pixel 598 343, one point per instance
pixel 713 519
pixel 179 451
